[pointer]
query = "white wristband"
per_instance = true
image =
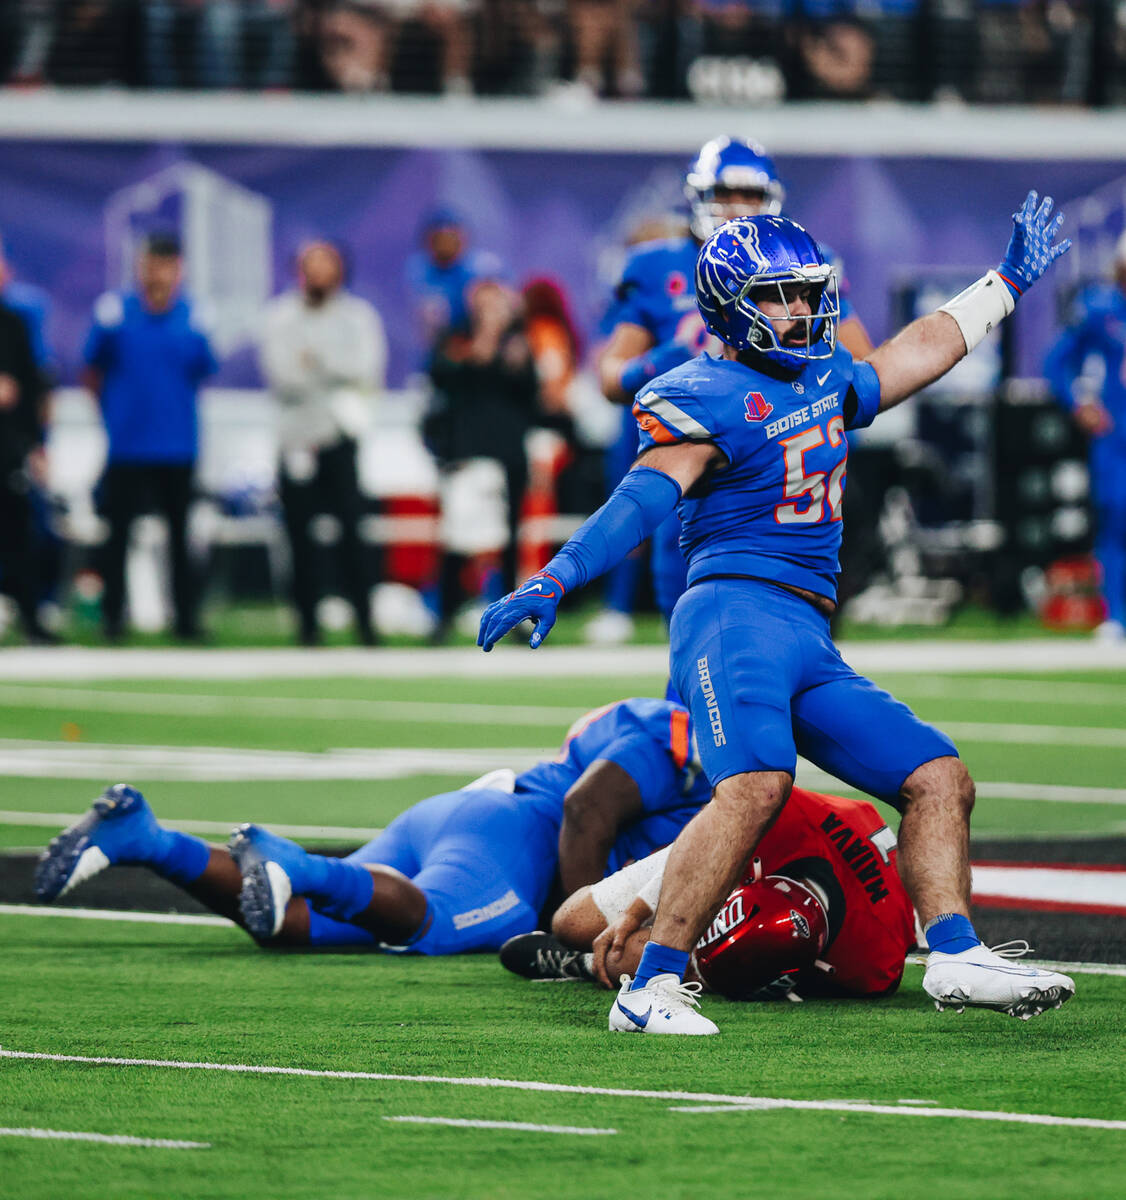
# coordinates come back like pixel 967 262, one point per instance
pixel 614 894
pixel 980 307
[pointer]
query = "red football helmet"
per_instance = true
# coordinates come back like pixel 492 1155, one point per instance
pixel 767 931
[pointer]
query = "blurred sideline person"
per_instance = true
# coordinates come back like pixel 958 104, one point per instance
pixel 34 306
pixel 822 910
pixel 751 449
pixel 440 273
pixel 1086 370
pixel 457 872
pixel 324 355
pixel 146 354
pixel 21 456
pixel 653 324
pixel 488 398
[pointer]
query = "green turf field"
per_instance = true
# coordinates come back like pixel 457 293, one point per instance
pixel 207 995
pixel 333 756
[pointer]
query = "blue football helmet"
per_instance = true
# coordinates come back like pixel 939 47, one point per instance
pixel 754 259
pixel 727 162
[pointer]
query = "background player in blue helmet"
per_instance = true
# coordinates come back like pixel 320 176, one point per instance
pixel 456 872
pixel 1086 368
pixel 653 325
pixel 752 447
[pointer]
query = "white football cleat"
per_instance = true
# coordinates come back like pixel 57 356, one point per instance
pixel 663 1005
pixel 983 978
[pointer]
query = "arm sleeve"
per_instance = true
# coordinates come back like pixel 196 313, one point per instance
pixel 643 499
pixel 98 349
pixel 862 402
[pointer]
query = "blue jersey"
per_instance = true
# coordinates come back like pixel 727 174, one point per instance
pixel 1089 358
pixel 657 291
pixel 652 741
pixel 774 511
pixel 152 365
pixel 440 291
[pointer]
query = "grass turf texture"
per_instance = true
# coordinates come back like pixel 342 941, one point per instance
pixel 202 994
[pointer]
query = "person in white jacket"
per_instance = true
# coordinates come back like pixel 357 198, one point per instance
pixel 324 355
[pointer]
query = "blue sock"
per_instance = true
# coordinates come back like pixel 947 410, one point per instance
pixel 338 888
pixel 659 960
pixel 951 933
pixel 179 856
pixel 324 931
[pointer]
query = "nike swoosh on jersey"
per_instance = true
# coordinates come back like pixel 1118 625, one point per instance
pixel 640 1022
pixel 821 378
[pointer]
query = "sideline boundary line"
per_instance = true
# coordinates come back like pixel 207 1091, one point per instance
pixel 763 1103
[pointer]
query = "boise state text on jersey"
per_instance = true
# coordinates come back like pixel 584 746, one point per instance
pixel 774 511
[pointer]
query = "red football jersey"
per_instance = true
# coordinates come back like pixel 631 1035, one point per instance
pixel 878 925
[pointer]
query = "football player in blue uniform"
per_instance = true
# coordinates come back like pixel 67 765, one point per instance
pixel 457 872
pixel 654 325
pixel 751 448
pixel 1086 369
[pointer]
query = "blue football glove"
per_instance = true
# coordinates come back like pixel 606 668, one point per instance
pixel 537 599
pixel 1030 252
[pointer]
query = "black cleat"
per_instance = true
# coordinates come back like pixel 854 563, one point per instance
pixel 542 956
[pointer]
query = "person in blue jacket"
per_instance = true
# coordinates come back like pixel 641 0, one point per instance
pixel 147 352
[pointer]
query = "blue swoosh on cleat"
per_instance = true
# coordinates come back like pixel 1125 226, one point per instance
pixel 640 1022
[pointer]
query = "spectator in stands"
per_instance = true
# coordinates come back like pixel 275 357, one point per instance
pixel 440 272
pixel 485 378
pixel 146 354
pixel 324 355
pixel 605 35
pixel 408 45
pixel 89 43
pixel 219 43
pixel 21 437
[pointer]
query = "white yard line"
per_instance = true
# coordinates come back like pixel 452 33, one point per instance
pixel 105 1139
pixel 108 914
pixel 1012 691
pixel 523 1126
pixel 1093 736
pixel 529 1085
pixel 71 663
pixel 91 760
pixel 176 704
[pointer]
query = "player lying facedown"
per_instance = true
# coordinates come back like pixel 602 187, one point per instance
pixel 821 911
pixel 457 872
pixel 751 450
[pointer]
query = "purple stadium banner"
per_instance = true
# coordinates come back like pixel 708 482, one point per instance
pixel 69 210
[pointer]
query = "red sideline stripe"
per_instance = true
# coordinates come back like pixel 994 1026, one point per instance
pixel 1109 868
pixel 1059 906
